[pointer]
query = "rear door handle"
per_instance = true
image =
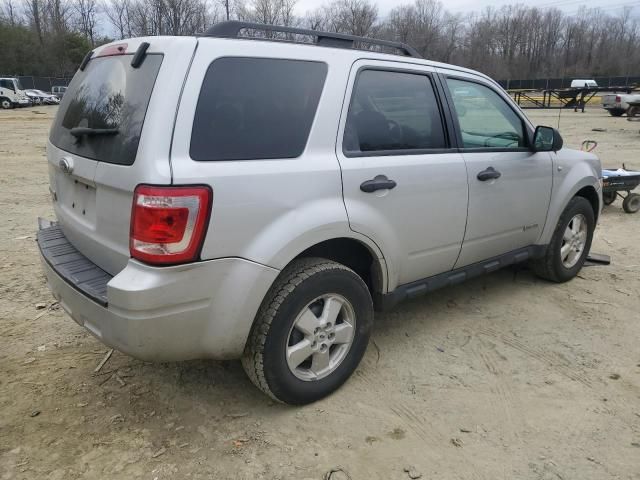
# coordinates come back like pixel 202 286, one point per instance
pixel 380 182
pixel 489 174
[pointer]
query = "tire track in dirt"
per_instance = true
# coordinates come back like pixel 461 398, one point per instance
pixel 506 404
pixel 562 366
pixel 403 411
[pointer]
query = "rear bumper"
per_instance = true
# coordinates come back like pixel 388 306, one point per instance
pixel 198 310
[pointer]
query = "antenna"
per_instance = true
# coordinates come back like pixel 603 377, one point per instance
pixel 559 115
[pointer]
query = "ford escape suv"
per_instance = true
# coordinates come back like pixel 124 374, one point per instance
pixel 224 196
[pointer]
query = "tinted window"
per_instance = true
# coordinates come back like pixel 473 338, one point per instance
pixel 256 108
pixel 6 84
pixel 485 118
pixel 393 111
pixel 108 94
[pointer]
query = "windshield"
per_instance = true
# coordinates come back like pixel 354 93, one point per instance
pixel 17 83
pixel 108 94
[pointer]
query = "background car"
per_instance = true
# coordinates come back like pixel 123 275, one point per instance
pixel 38 97
pixel 58 91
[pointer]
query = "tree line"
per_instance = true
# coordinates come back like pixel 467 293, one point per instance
pixel 50 37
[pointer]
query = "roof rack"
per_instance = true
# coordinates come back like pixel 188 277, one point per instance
pixel 232 28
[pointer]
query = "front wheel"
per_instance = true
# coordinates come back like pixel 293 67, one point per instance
pixel 310 333
pixel 570 243
pixel 6 104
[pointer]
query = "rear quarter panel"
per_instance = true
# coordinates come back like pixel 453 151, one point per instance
pixel 269 211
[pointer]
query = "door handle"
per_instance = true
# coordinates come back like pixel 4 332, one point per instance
pixel 489 174
pixel 380 182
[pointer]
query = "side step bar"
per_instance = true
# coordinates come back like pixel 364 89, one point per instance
pixel 459 275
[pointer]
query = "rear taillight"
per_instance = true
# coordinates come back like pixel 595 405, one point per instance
pixel 618 99
pixel 168 224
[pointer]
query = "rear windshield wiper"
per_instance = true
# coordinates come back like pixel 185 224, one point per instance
pixel 79 132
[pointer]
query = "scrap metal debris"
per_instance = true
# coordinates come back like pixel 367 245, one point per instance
pixel 337 473
pixel 104 360
pixel 412 473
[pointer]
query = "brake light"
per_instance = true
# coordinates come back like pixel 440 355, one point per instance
pixel 168 224
pixel 117 49
pixel 618 99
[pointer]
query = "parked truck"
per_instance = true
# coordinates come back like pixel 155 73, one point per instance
pixel 617 104
pixel 12 94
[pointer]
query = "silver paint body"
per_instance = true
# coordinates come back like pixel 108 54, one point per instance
pixel 266 212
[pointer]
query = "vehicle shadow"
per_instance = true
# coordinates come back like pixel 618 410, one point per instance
pixel 222 388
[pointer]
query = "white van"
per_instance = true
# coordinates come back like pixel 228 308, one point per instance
pixel 581 83
pixel 12 94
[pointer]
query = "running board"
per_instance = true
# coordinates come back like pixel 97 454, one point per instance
pixel 454 277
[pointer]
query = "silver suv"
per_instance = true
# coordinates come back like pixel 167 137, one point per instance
pixel 228 197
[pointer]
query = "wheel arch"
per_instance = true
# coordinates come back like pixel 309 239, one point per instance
pixel 354 254
pixel 351 249
pixel 590 193
pixel 582 182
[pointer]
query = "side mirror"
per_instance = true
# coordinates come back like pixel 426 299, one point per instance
pixel 547 139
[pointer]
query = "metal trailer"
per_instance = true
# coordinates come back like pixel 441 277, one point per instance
pixel 615 181
pixel 576 98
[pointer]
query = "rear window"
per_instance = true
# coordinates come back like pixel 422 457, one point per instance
pixel 108 94
pixel 256 108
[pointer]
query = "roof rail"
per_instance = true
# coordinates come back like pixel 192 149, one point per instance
pixel 232 28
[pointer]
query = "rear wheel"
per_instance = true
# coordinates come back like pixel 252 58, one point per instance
pixel 310 333
pixel 631 203
pixel 5 103
pixel 609 197
pixel 570 243
pixel 616 112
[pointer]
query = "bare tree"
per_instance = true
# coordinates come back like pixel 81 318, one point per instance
pixel 355 17
pixel 86 11
pixel 118 13
pixel 34 10
pixel 9 11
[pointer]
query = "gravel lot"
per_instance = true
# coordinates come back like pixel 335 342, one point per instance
pixel 505 377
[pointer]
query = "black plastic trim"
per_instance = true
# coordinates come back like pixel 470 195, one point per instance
pixel 140 55
pixel 232 29
pixel 85 60
pixel 453 277
pixel 73 267
pixel 390 153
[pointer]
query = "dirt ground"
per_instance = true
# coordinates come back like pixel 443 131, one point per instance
pixel 505 377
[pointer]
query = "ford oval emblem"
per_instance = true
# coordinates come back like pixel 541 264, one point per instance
pixel 66 166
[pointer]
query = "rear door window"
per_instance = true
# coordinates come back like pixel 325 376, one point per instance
pixel 256 108
pixel 393 111
pixel 108 94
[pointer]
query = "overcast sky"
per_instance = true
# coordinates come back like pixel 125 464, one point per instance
pixel 568 6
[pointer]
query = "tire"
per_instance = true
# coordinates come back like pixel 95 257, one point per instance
pixel 5 103
pixel 631 203
pixel 609 197
pixel 304 291
pixel 616 112
pixel 633 112
pixel 552 266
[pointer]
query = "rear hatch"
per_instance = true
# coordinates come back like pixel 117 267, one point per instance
pixel 112 132
pixel 609 100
